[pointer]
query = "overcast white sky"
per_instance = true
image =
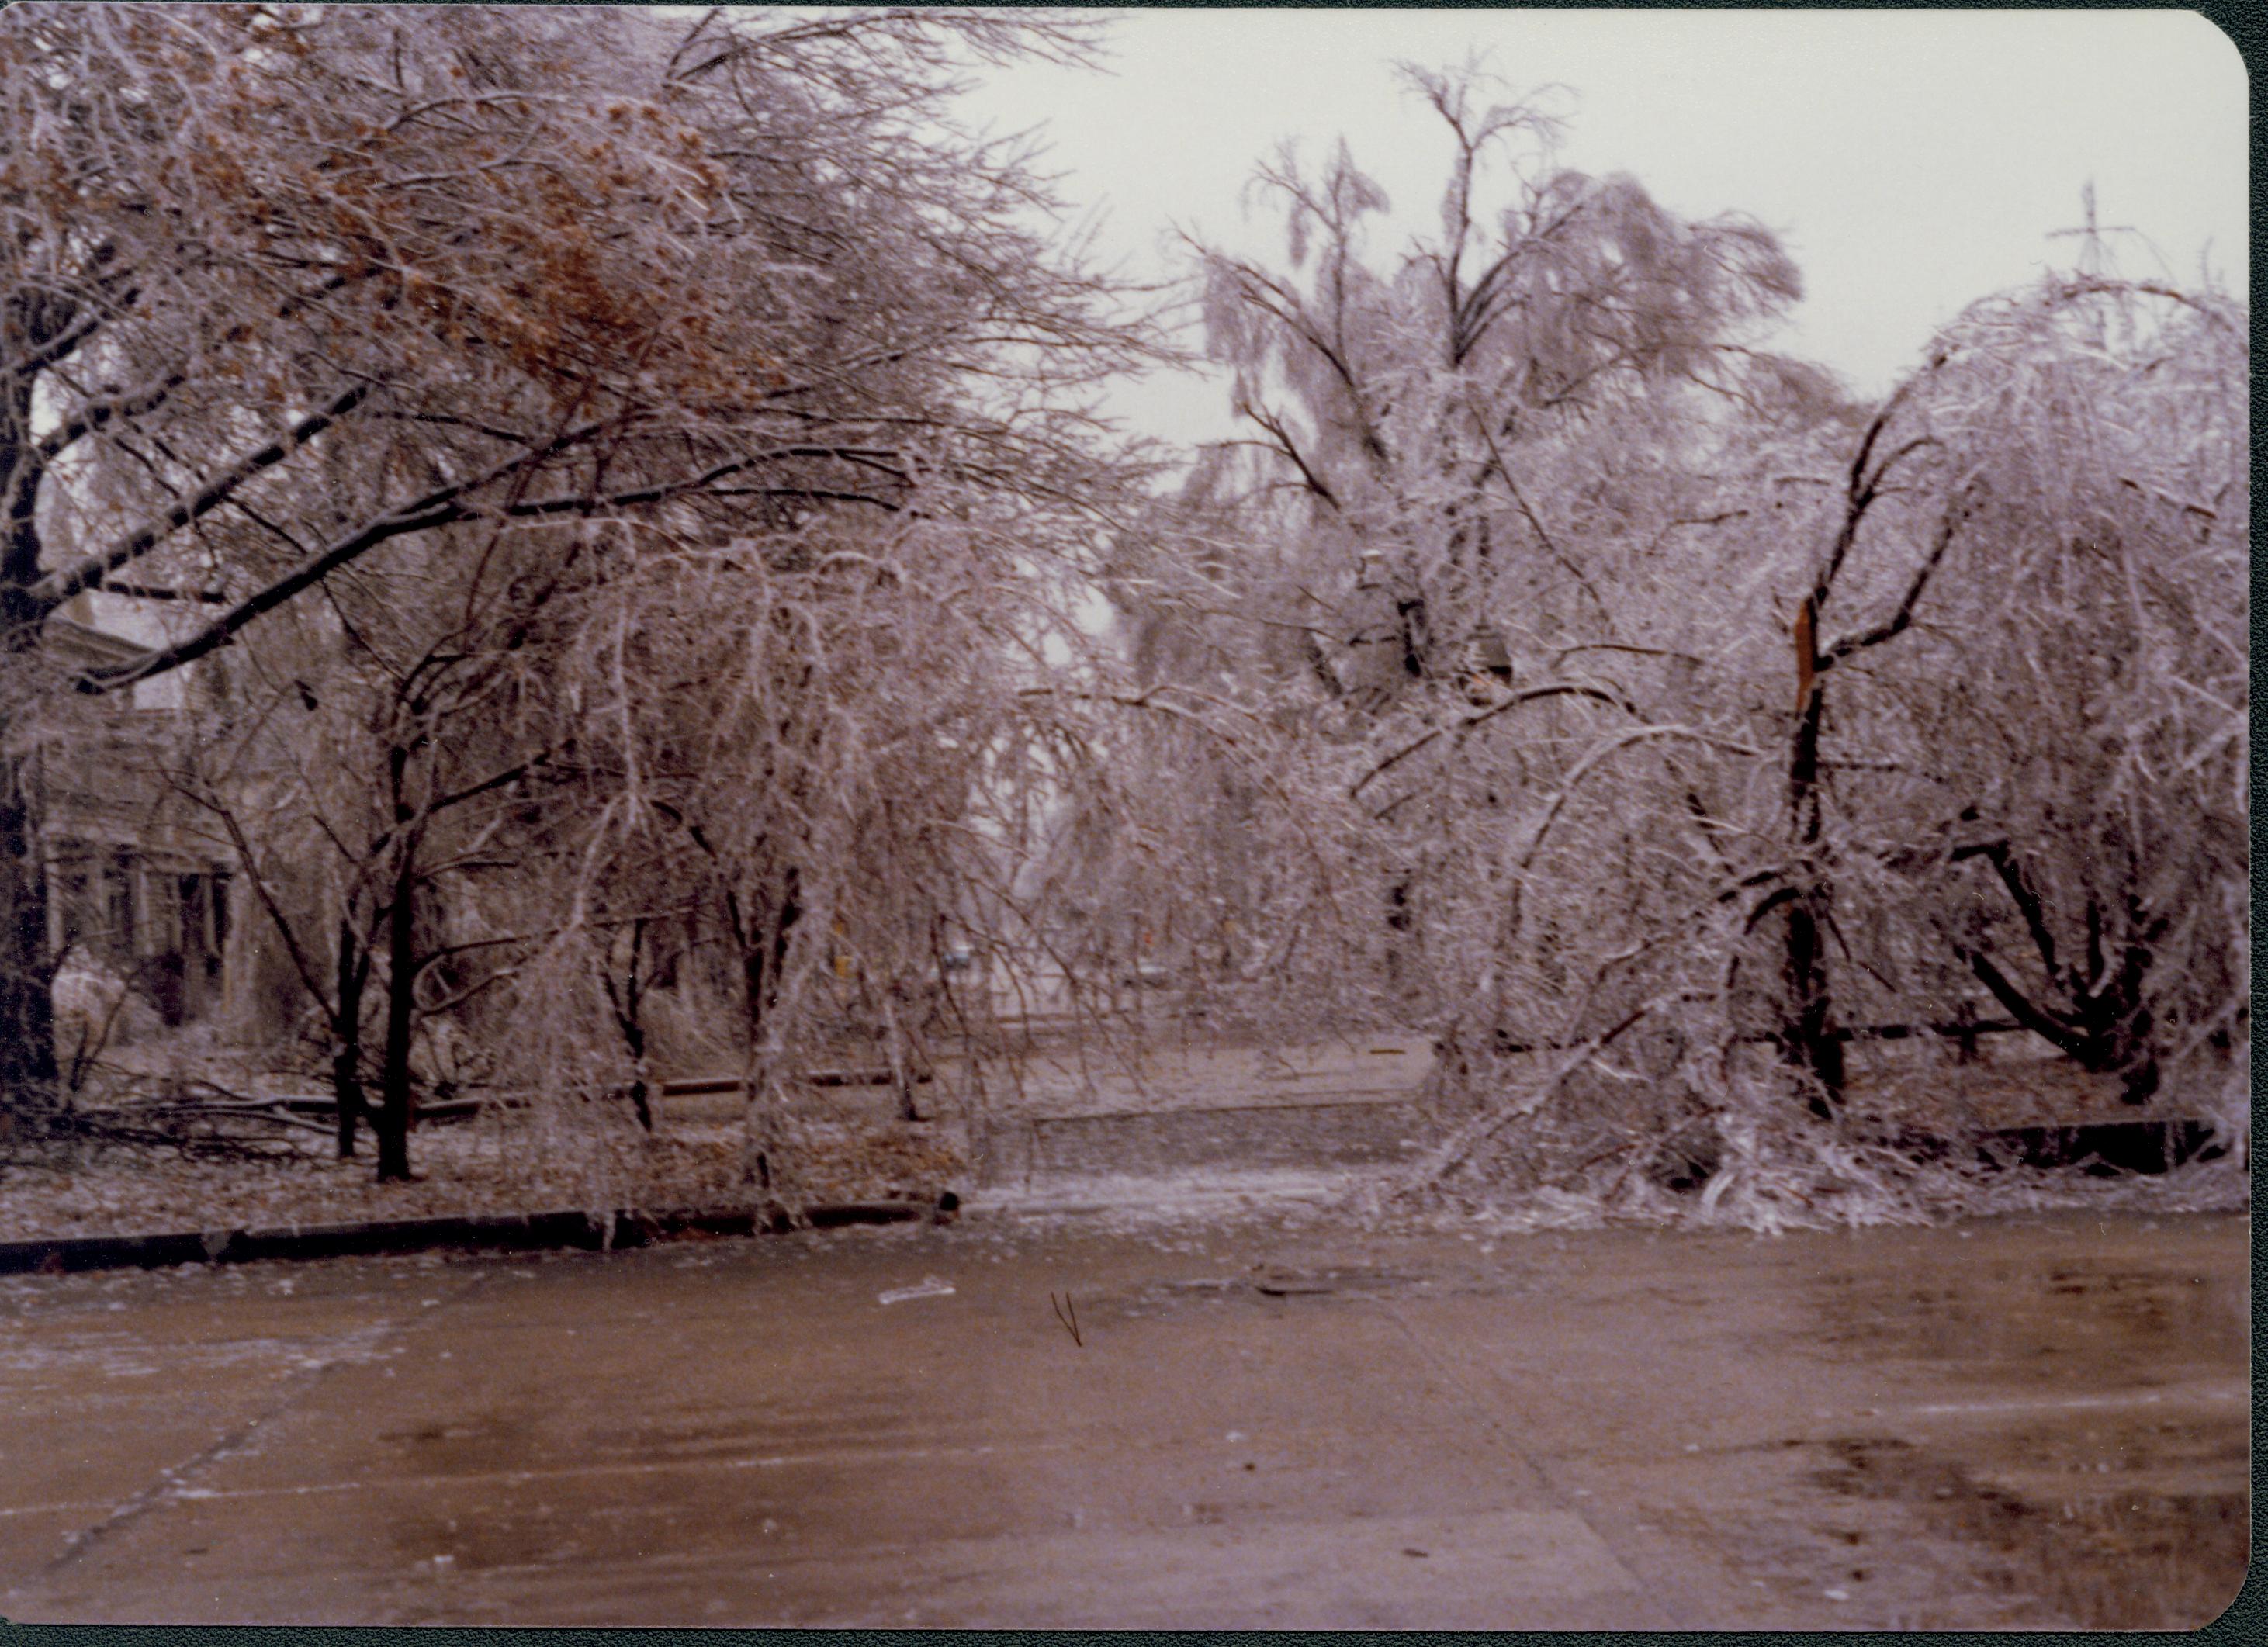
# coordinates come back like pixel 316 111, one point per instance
pixel 1912 161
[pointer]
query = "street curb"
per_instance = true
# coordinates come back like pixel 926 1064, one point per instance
pixel 526 1231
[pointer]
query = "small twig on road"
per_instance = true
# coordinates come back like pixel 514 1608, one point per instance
pixel 1069 1322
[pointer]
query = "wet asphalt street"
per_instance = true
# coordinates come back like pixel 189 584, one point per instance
pixel 2021 1423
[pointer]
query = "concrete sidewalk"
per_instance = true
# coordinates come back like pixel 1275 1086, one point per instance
pixel 1259 1428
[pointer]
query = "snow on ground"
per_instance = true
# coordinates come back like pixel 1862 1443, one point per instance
pixel 1132 1148
pixel 472 1169
pixel 1125 1201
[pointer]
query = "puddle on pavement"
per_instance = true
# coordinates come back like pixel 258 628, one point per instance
pixel 2101 1551
pixel 2107 1473
pixel 2106 1322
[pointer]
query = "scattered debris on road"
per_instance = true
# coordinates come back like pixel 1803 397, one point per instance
pixel 927 1287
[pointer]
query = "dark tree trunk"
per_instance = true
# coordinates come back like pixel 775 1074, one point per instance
pixel 629 1018
pixel 763 956
pixel 346 1040
pixel 764 950
pixel 27 1027
pixel 1809 1041
pixel 1811 1046
pixel 2107 1030
pixel 391 1124
pixel 2097 1016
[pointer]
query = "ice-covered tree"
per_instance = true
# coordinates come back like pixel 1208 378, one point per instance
pixel 682 299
